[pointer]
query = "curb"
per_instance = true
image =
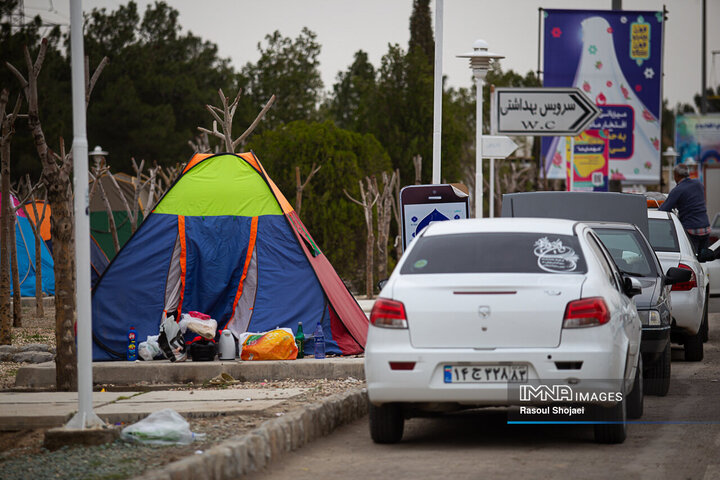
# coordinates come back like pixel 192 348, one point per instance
pixel 267 443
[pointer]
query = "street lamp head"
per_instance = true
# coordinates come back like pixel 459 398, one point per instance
pixel 670 153
pixel 98 152
pixel 480 58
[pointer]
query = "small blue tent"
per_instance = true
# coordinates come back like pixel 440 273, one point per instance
pixel 25 242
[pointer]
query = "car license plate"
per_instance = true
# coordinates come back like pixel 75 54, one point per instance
pixel 485 373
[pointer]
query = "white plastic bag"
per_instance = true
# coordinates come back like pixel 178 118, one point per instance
pixel 150 349
pixel 206 328
pixel 166 427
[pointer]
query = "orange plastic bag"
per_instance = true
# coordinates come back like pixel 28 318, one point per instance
pixel 278 344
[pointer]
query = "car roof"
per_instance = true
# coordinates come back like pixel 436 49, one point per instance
pixel 516 224
pixel 613 225
pixel 658 214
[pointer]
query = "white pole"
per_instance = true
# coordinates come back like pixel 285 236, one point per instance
pixel 85 417
pixel 437 105
pixel 572 162
pixel 478 148
pixel 492 187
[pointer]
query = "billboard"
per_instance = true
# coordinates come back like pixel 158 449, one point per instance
pixel 615 58
pixel 697 138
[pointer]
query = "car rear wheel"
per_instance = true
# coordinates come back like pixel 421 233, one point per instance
pixel 636 399
pixel 694 347
pixel 615 430
pixel 657 376
pixel 386 423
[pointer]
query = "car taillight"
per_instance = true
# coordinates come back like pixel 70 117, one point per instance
pixel 586 312
pixel 685 286
pixel 388 314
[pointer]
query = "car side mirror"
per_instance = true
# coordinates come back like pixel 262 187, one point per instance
pixel 381 283
pixel 706 255
pixel 677 275
pixel 632 286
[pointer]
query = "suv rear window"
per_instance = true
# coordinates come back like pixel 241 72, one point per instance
pixel 495 253
pixel 662 235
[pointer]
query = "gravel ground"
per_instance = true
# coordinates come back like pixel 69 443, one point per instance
pixel 23 457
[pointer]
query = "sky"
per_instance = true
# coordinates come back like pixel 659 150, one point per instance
pixel 343 27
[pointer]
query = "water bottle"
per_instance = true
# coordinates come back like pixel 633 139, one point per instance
pixel 300 341
pixel 319 341
pixel 226 345
pixel 132 346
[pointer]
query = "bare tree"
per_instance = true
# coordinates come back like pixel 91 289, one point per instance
pixel 57 177
pixel 510 181
pixel 417 164
pixel 367 203
pixel 384 217
pixel 395 204
pixel 7 130
pixel 300 186
pixel 201 144
pixel 167 175
pixel 225 115
pixel 39 218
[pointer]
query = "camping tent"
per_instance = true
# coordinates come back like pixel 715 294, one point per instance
pixel 98 259
pixel 224 241
pixel 25 243
pixel 99 221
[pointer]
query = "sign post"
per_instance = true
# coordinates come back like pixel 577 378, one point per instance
pixel 493 147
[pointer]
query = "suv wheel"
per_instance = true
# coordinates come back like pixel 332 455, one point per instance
pixel 657 375
pixel 636 399
pixel 386 423
pixel 694 347
pixel 615 430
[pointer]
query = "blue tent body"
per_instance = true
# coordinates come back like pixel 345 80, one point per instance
pixel 25 242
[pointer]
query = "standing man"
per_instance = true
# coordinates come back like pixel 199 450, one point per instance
pixel 688 197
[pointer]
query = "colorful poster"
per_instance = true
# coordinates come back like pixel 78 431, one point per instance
pixel 615 57
pixel 697 138
pixel 590 163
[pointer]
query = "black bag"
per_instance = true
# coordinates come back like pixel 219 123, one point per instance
pixel 202 350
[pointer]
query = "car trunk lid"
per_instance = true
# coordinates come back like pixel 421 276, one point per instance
pixel 487 311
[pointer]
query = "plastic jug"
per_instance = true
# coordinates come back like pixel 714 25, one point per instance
pixel 227 345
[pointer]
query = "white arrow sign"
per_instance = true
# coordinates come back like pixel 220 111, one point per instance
pixel 543 111
pixel 497 146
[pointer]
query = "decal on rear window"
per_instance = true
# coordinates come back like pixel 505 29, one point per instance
pixel 420 263
pixel 555 257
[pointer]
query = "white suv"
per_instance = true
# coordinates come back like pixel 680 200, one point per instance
pixel 688 299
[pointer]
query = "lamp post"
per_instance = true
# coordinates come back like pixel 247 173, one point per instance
pixel 671 155
pixel 480 64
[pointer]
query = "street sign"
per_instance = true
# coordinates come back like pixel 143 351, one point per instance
pixel 561 112
pixel 497 146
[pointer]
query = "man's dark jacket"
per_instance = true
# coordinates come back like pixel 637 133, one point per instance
pixel 688 197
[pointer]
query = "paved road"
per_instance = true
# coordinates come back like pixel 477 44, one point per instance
pixel 480 444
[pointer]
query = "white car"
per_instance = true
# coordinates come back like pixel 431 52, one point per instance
pixel 713 270
pixel 477 310
pixel 688 299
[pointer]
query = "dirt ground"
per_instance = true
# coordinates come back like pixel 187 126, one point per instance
pixel 28 443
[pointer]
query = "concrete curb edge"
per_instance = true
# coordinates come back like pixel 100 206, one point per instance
pixel 268 442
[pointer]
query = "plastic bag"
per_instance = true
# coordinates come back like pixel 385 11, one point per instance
pixel 171 340
pixel 166 427
pixel 150 349
pixel 199 323
pixel 278 344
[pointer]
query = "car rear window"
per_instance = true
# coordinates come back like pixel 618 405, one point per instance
pixel 662 235
pixel 629 251
pixel 495 253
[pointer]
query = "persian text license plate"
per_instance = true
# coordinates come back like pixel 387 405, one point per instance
pixel 485 373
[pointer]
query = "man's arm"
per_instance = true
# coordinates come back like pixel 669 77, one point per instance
pixel 670 201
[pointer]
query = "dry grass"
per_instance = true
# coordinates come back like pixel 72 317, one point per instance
pixel 34 330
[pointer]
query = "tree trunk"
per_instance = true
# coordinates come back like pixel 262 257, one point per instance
pixel 5 315
pixel 64 256
pixel 17 297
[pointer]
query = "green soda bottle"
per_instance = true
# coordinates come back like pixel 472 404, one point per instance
pixel 300 341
